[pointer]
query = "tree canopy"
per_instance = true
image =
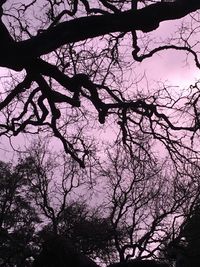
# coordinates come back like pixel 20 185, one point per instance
pixel 68 63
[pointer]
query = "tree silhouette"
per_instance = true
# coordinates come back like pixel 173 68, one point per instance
pixel 18 217
pixel 70 56
pixel 57 251
pixel 192 235
pixel 147 203
pixel 187 250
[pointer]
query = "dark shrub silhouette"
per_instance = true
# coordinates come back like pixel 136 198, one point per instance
pixel 140 263
pixel 57 251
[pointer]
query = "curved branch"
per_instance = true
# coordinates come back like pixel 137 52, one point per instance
pixel 165 47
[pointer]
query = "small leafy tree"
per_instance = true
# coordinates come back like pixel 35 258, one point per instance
pixel 86 228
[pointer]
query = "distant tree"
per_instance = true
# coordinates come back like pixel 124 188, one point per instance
pixel 147 202
pixel 55 180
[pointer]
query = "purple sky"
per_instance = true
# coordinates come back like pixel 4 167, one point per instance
pixel 169 67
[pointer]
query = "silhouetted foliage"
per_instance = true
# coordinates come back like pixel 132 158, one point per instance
pixel 186 249
pixel 58 251
pixel 18 217
pixel 192 236
pixel 87 229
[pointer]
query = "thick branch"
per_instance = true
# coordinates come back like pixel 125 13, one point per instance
pixel 145 19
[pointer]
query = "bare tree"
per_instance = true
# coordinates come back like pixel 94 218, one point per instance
pixel 57 183
pixel 182 247
pixel 147 202
pixel 55 179
pixel 67 63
